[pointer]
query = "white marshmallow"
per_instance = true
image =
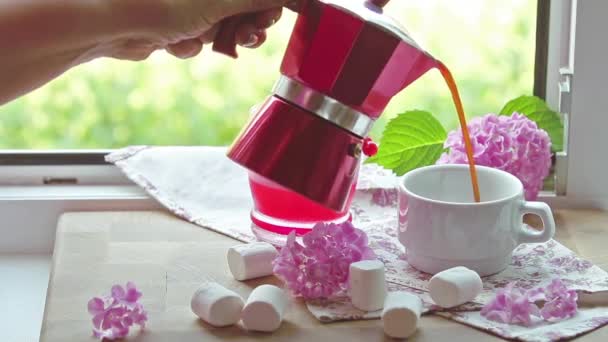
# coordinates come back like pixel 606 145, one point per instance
pixel 217 305
pixel 401 314
pixel 455 286
pixel 265 309
pixel 252 260
pixel 367 285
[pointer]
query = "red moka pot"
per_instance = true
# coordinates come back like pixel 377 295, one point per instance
pixel 344 62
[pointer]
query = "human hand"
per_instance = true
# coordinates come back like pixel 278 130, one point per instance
pixel 182 27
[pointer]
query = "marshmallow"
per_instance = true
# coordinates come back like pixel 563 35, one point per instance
pixel 367 285
pixel 216 305
pixel 455 286
pixel 250 261
pixel 401 314
pixel 264 309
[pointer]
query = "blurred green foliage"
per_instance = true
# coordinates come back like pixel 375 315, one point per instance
pixel 488 44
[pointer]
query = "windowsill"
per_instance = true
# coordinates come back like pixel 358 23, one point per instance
pixel 30 212
pixel 24 284
pixel 72 192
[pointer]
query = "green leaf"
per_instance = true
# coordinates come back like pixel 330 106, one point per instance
pixel 524 105
pixel 550 122
pixel 546 119
pixel 411 140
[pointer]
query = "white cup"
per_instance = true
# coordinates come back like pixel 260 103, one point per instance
pixel 442 227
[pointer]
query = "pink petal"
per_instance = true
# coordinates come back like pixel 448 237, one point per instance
pixel 95 306
pixel 98 319
pixel 141 318
pixel 117 311
pixel 122 311
pixel 536 295
pixel 110 334
pixel 132 294
pixel 100 334
pixel 560 302
pixel 511 305
pixel 106 323
pixel 118 292
pixel 122 333
pixel 498 316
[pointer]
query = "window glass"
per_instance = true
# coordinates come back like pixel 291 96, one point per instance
pixel 488 44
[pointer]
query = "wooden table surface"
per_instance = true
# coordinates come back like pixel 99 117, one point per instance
pixel 168 259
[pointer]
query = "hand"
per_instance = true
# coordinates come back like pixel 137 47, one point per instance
pixel 182 27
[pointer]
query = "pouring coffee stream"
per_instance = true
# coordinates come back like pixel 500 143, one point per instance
pixel 344 62
pixel 451 83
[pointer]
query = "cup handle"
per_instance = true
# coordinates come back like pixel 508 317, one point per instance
pixel 542 210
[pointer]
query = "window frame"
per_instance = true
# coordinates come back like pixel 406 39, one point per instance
pixel 53 157
pixel 556 23
pixel 576 85
pixel 33 233
pixel 96 157
pixel 543 13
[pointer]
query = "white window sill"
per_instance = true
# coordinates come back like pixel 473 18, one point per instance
pixel 29 221
pixel 23 294
pixel 28 226
pixel 72 192
pixel 29 213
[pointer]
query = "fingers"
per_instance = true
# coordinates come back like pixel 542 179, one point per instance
pixel 209 36
pixel 266 19
pixel 133 50
pixel 251 33
pixel 186 48
pixel 260 39
pixel 249 36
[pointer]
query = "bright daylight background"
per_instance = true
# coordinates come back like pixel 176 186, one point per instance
pixel 488 44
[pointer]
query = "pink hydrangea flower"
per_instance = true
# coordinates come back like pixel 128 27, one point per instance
pixel 115 314
pixel 560 303
pixel 319 268
pixel 513 144
pixel 513 305
pixel 385 197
